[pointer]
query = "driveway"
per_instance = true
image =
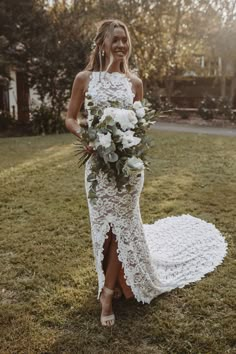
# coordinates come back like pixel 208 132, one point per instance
pixel 174 127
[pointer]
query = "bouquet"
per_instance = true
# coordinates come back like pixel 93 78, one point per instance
pixel 116 142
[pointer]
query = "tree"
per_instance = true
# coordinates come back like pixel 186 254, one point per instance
pixel 49 58
pixel 221 41
pixel 62 55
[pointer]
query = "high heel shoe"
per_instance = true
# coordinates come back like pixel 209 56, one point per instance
pixel 109 320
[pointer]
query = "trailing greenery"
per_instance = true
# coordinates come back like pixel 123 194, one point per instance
pixel 48 280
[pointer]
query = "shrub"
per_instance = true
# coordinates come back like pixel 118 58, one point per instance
pixel 225 109
pixel 184 114
pixel 46 121
pixel 164 106
pixel 211 107
pixel 6 120
pixel 207 108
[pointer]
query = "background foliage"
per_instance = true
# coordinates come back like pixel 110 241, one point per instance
pixel 51 41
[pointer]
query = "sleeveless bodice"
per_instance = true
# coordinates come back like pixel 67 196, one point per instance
pixel 105 87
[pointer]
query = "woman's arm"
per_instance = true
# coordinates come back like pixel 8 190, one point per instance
pixel 137 87
pixel 77 98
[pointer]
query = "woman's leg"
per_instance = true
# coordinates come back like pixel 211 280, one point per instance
pixel 113 266
pixel 111 258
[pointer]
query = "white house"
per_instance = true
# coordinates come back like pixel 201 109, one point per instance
pixel 16 97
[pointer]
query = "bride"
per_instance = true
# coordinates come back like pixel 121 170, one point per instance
pixel 132 259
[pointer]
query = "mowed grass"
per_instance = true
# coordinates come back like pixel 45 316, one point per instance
pixel 48 281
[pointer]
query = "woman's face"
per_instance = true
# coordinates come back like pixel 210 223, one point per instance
pixel 117 45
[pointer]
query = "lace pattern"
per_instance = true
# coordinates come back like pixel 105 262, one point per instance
pixel 156 258
pixel 106 87
pixel 121 210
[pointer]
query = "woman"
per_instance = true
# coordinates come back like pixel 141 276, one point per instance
pixel 141 260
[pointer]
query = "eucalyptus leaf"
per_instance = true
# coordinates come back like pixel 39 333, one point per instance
pixel 108 150
pixel 112 157
pixel 92 133
pixel 100 151
pixel 93 111
pixel 91 177
pixel 92 194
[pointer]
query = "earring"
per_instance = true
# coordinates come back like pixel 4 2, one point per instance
pixel 103 53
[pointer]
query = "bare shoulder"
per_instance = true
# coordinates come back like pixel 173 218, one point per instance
pixel 137 85
pixel 83 75
pixel 82 79
pixel 136 81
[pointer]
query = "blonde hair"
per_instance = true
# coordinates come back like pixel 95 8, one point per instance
pixel 96 60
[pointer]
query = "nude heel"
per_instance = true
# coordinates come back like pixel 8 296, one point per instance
pixel 107 321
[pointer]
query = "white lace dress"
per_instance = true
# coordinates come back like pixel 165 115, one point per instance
pixel 156 258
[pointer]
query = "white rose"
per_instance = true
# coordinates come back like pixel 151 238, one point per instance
pixel 135 163
pixel 109 111
pixel 128 139
pixel 119 133
pixel 140 112
pixel 137 105
pixel 132 166
pixel 132 117
pixel 104 140
pixel 126 118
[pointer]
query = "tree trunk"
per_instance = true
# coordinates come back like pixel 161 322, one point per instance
pixel 223 86
pixel 232 89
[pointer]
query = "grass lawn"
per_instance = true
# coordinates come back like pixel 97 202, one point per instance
pixel 48 284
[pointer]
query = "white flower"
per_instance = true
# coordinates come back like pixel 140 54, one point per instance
pixel 135 163
pixel 137 105
pixel 108 112
pixel 128 139
pixel 132 117
pixel 126 118
pixel 140 112
pixel 104 140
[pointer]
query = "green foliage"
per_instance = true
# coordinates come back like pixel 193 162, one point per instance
pixel 164 105
pixel 161 104
pixel 225 109
pixel 207 108
pixel 45 121
pixel 53 69
pixel 166 36
pixel 50 58
pixel 6 120
pixel 211 107
pixel 22 25
pixel 184 114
